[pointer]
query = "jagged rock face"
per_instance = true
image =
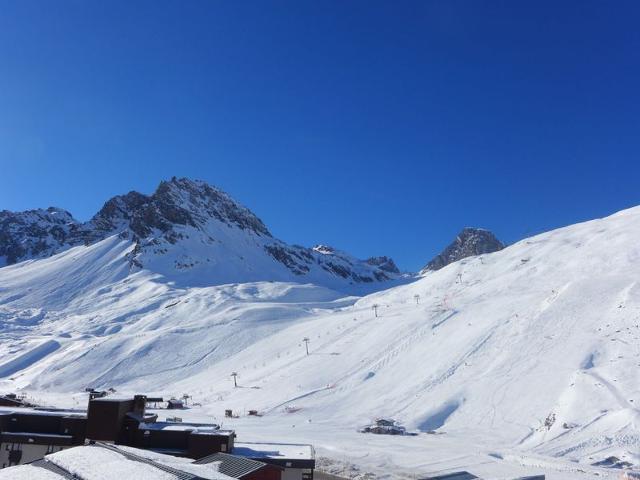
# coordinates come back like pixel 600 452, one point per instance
pixel 468 243
pixel 118 213
pixel 185 201
pixel 301 260
pixel 176 202
pixel 296 259
pixel 34 233
pixel 188 225
pixel 384 263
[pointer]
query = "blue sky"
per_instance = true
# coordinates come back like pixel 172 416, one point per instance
pixel 376 127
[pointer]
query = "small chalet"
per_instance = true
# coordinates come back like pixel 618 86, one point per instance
pixel 175 404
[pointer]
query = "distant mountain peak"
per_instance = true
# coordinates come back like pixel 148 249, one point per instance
pixel 33 233
pixel 203 201
pixel 469 242
pixel 188 226
pixel 384 263
pixel 325 249
pixel 179 201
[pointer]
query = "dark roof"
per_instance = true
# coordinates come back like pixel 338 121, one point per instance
pixel 231 465
pixel 52 467
pixel 454 476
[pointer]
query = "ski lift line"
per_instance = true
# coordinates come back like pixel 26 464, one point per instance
pixel 296 359
pixel 375 362
pixel 370 362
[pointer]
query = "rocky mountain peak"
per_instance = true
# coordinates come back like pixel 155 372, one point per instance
pixel 181 196
pixel 177 202
pixel 469 242
pixel 384 263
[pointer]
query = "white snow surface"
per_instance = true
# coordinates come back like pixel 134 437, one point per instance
pixel 27 472
pixel 523 361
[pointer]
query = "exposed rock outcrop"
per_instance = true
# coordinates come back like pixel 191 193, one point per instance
pixel 468 243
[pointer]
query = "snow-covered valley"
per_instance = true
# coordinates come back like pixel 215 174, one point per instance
pixel 520 361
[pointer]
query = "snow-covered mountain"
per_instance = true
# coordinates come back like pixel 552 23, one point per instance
pixel 468 243
pixel 194 233
pixel 521 360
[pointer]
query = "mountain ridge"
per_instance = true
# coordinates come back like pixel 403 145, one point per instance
pixel 195 225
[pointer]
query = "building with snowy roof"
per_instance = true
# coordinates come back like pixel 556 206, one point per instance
pixel 102 461
pixel 125 422
pixel 27 434
pixel 298 460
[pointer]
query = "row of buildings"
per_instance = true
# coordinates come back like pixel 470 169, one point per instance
pixel 125 430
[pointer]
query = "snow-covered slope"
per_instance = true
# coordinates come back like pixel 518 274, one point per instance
pixel 106 319
pixel 521 355
pixel 536 346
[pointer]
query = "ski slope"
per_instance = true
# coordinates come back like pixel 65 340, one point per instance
pixel 116 328
pixel 520 361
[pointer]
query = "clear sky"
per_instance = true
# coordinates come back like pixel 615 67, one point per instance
pixel 381 128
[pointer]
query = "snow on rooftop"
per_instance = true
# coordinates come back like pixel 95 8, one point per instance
pixel 38 411
pixel 98 462
pixel 274 450
pixel 92 463
pixel 207 471
pixel 27 472
pixel 200 428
